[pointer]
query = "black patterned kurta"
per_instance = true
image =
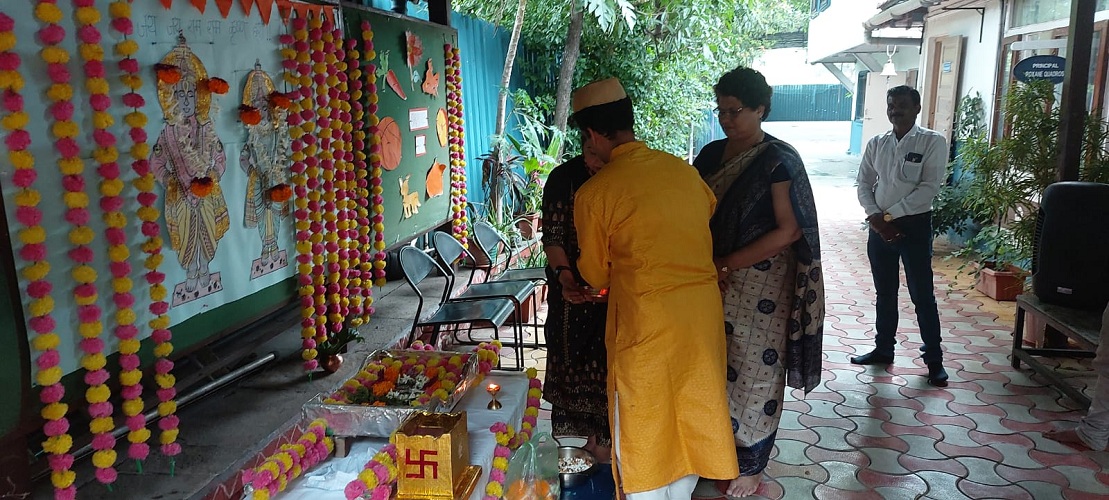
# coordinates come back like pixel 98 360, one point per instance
pixel 576 362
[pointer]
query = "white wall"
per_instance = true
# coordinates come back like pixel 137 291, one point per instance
pixel 839 28
pixel 790 66
pixel 980 58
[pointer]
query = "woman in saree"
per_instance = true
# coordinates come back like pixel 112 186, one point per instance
pixel 767 252
pixel 576 374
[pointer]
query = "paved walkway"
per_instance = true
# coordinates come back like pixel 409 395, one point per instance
pixel 884 433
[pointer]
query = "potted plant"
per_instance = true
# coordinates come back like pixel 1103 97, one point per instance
pixel 331 351
pixel 1006 177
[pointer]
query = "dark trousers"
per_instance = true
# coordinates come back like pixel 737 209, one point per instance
pixel 915 252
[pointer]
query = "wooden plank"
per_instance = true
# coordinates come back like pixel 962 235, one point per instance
pixel 1082 326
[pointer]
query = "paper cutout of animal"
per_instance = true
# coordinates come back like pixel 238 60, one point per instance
pixel 431 80
pixel 410 202
pixel 435 179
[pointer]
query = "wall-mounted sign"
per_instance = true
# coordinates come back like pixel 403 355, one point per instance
pixel 947 66
pixel 1050 68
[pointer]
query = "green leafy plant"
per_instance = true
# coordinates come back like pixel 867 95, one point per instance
pixel 337 342
pixel 949 215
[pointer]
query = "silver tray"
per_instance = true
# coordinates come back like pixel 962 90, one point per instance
pixel 381 421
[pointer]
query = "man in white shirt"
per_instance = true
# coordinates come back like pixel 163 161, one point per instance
pixel 901 173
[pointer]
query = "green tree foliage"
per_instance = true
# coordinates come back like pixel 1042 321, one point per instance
pixel 667 53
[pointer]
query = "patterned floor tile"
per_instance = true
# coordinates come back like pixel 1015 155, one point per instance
pixel 942 486
pixel 978 490
pixel 921 447
pixel 792 452
pixel 945 465
pixel 842 476
pixel 882 460
pixel 982 471
pixel 1040 489
pixel 828 492
pixel 1083 479
pixel 798 488
pixel 1015 474
pixel 892 493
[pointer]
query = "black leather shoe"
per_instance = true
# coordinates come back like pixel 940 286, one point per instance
pixel 937 376
pixel 872 358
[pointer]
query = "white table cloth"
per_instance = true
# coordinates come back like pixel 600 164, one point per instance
pixel 328 480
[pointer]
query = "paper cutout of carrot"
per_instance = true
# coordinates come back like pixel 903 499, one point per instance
pixel 390 77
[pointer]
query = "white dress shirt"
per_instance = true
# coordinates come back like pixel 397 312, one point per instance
pixel 902 177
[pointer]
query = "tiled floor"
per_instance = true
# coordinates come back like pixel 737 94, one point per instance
pixel 871 432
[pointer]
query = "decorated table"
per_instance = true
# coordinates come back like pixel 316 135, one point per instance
pixel 328 480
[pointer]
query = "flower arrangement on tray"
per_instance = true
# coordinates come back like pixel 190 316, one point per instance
pixel 411 378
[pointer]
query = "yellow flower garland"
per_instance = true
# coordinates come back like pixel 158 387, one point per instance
pixel 106 155
pixel 298 75
pixel 33 252
pixel 333 173
pixel 316 151
pixel 356 204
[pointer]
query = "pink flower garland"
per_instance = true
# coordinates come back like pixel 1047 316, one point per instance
pixel 100 408
pixel 130 373
pixel 298 74
pixel 494 488
pixel 319 162
pixel 456 136
pixel 334 162
pixel 377 477
pixel 291 460
pixel 348 236
pixel 33 251
pixel 373 269
pixel 531 411
pixel 357 231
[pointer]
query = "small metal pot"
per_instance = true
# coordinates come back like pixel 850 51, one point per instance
pixel 575 479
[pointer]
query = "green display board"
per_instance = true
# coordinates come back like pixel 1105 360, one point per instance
pixel 415 183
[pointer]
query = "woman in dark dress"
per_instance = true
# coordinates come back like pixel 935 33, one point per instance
pixel 767 252
pixel 575 327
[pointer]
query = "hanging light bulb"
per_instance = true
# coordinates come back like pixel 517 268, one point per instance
pixel 889 69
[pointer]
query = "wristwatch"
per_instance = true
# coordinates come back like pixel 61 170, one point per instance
pixel 887 217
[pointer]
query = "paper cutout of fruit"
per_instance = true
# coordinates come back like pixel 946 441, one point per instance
pixel 434 180
pixel 389 132
pixel 442 123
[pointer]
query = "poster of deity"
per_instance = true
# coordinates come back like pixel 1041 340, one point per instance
pixel 189 161
pixel 264 158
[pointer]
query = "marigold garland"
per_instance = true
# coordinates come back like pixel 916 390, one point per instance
pixel 373 257
pixel 106 155
pixel 494 489
pixel 356 182
pixel 375 181
pixel 290 461
pixel 457 136
pixel 298 75
pixel 345 177
pixel 531 411
pixel 130 373
pixel 32 238
pixel 334 176
pixel 319 163
pixel 377 477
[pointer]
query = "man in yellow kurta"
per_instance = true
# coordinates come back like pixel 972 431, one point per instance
pixel 643 229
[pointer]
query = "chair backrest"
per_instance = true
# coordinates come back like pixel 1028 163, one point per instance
pixel 491 243
pixel 448 248
pixel 417 266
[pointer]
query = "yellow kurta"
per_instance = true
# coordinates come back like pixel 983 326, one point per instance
pixel 643 229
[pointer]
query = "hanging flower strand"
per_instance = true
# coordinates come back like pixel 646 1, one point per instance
pixel 333 185
pixel 356 182
pixel 106 156
pixel 130 374
pixel 457 137
pixel 345 176
pixel 298 74
pixel 370 184
pixel 319 158
pixel 32 239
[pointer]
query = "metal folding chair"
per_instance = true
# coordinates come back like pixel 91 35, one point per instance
pixel 450 251
pixel 491 244
pixel 417 266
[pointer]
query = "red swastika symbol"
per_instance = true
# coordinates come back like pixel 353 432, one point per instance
pixel 421 463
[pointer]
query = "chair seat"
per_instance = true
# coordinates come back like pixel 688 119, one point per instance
pixel 518 289
pixel 495 311
pixel 526 274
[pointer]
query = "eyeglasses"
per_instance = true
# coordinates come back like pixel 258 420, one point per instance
pixel 727 113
